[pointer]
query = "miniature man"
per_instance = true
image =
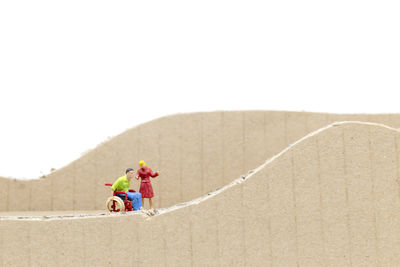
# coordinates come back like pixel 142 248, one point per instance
pixel 123 183
pixel 146 188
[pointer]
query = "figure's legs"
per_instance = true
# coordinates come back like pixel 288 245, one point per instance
pixel 151 203
pixel 143 202
pixel 135 198
pixel 130 196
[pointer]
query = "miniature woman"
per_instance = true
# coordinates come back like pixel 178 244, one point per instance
pixel 145 185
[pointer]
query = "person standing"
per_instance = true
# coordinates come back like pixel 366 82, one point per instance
pixel 146 188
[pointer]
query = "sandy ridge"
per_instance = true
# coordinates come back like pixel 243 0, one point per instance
pixel 148 214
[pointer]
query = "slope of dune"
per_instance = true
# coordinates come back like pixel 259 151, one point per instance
pixel 197 153
pixel 329 199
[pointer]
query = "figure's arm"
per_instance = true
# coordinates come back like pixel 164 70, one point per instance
pixel 152 174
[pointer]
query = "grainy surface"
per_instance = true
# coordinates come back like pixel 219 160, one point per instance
pixel 331 199
pixel 196 153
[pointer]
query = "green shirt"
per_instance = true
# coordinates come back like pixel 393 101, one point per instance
pixel 121 184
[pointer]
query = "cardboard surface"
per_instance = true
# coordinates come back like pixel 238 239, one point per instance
pixel 330 199
pixel 197 153
pixel 4 196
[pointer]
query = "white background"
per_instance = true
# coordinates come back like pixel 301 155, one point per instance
pixel 73 73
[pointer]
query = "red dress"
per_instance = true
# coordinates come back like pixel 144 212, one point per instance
pixel 145 185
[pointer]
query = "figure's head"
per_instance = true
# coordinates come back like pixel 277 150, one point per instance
pixel 142 164
pixel 130 173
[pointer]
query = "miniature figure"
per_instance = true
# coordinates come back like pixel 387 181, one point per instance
pixel 145 185
pixel 122 184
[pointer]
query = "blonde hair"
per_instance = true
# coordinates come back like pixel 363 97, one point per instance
pixel 142 163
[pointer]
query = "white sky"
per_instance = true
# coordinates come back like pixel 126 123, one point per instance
pixel 73 73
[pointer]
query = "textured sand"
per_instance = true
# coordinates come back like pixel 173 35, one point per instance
pixel 329 199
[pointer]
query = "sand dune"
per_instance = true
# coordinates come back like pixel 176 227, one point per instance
pixel 197 153
pixel 329 199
